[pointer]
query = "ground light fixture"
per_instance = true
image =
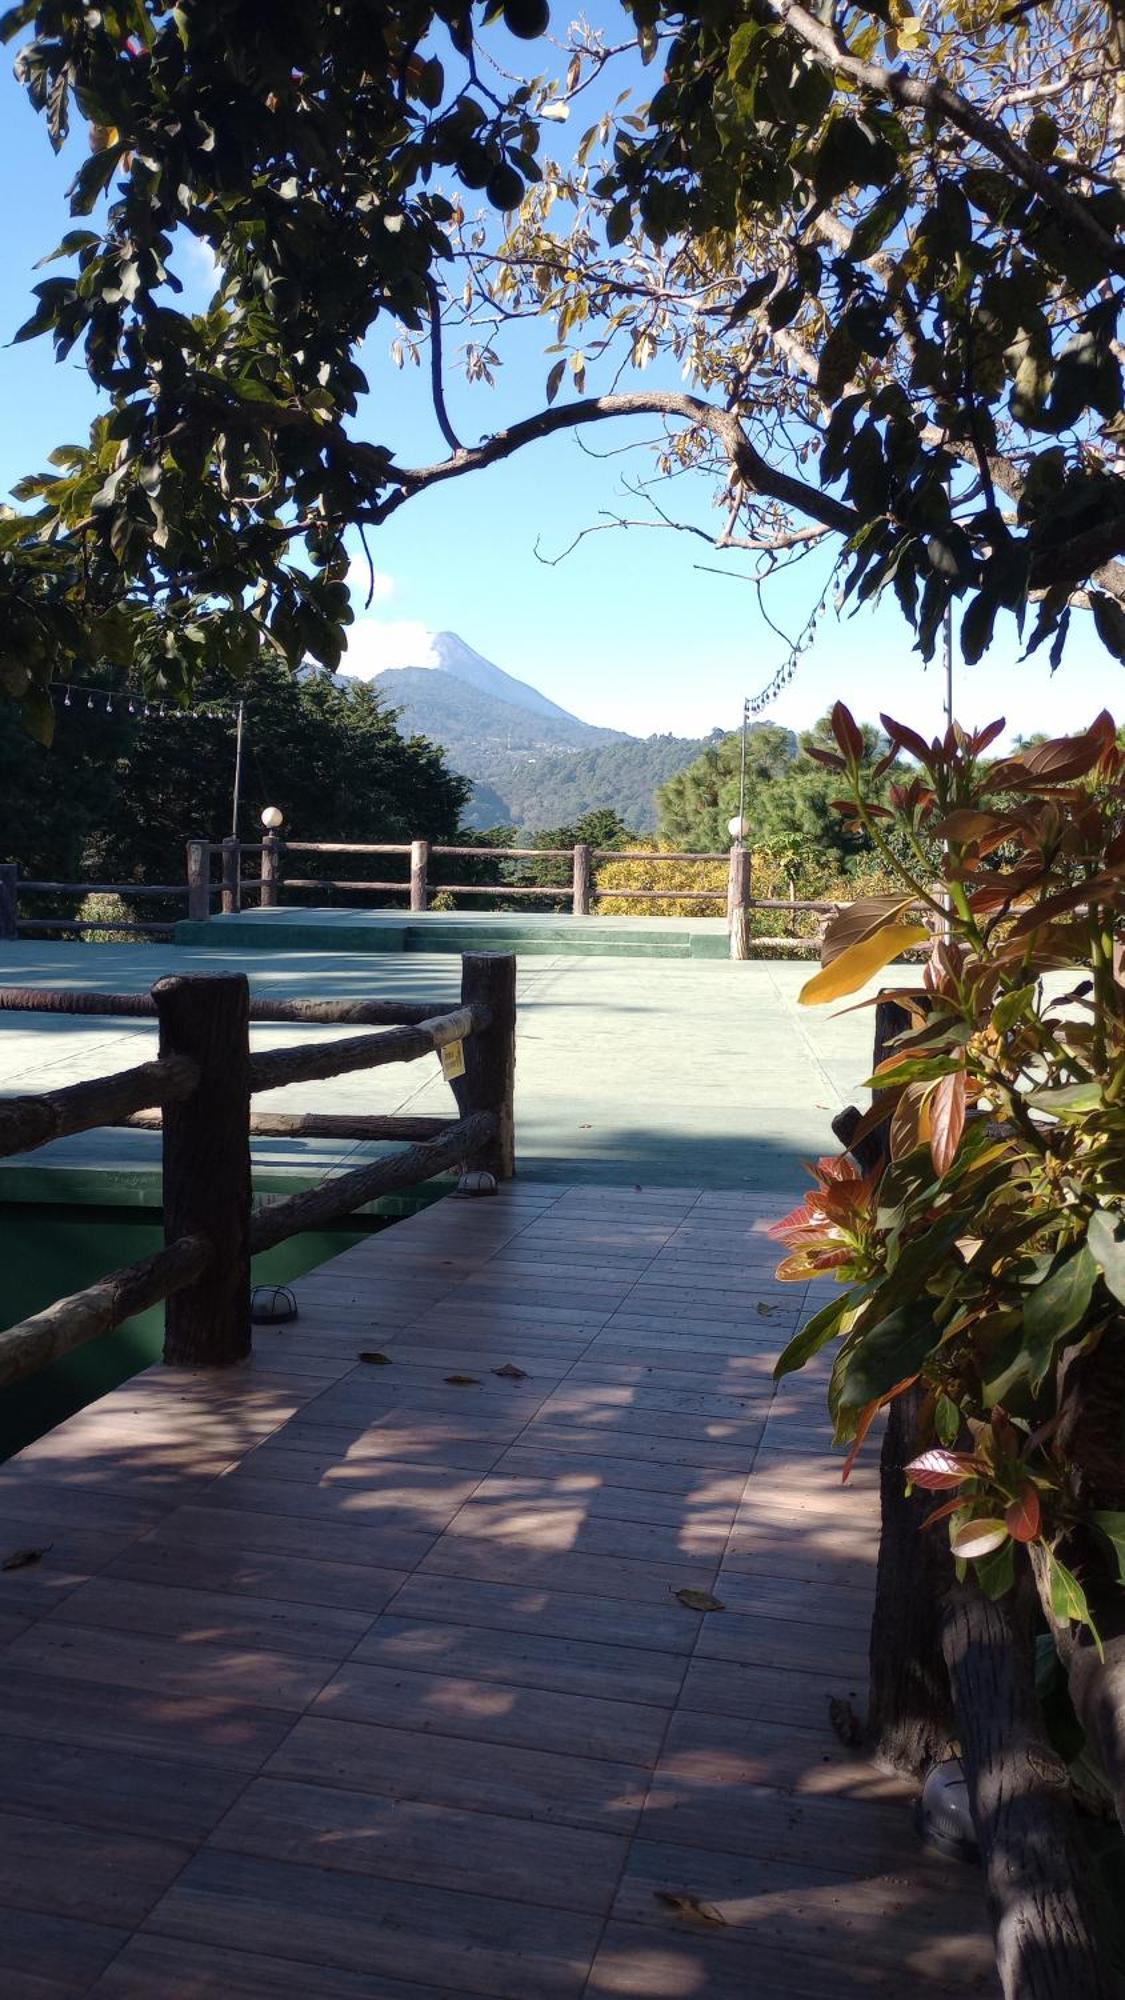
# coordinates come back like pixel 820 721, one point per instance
pixel 738 828
pixel 272 818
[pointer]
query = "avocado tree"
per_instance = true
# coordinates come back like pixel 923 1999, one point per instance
pixel 885 249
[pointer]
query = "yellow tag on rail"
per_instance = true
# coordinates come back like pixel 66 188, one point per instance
pixel 453 1060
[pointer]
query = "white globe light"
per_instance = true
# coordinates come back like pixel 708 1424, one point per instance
pixel 738 828
pixel 272 816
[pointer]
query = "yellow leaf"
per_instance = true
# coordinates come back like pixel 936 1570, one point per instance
pixel 854 967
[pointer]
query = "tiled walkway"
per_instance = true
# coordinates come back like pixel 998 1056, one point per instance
pixel 362 1679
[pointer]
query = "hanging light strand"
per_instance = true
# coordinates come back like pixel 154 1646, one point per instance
pixel 77 694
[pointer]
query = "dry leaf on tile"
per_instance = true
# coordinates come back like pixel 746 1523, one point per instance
pixel 372 1354
pixel 689 1906
pixel 511 1373
pixel 765 1311
pixel 700 1600
pixel 23 1558
pixel 463 1381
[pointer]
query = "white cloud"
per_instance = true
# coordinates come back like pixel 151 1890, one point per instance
pixel 374 644
pixel 360 583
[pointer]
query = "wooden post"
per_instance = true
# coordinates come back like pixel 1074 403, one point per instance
pixel 9 872
pixel 198 881
pixel 488 978
pixel 738 901
pixel 583 875
pixel 232 875
pixel 419 865
pixel 271 871
pixel 207 1165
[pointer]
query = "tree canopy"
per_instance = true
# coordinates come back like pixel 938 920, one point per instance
pixel 885 249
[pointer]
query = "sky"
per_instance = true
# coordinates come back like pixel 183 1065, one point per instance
pixel 632 629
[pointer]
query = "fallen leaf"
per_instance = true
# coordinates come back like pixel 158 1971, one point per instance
pixel 23 1558
pixel 372 1354
pixel 764 1310
pixel 462 1381
pixel 511 1373
pixel 700 1600
pixel 689 1906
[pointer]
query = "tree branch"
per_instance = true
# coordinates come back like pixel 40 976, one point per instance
pixel 939 100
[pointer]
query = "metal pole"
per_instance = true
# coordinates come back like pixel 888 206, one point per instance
pixel 237 773
pixel 947 652
pixel 742 766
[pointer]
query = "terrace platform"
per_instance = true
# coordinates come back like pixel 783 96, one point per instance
pixel 298 928
pixel 678 1073
pixel 348 1679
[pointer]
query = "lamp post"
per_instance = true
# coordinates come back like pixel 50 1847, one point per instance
pixel 272 819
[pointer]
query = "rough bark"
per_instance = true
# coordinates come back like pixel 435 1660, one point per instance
pixel 909 1717
pixel 1042 1911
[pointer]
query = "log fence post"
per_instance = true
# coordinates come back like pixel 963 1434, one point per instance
pixel 738 901
pixel 583 879
pixel 199 881
pixel 419 869
pixel 232 875
pixel 488 978
pixel 207 1165
pixel 9 876
pixel 271 871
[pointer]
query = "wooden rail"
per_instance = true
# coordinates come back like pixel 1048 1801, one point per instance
pixel 199 1091
pixel 418 889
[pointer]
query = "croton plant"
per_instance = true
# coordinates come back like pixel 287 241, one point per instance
pixel 983 1260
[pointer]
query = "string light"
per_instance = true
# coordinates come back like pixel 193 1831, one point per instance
pixel 139 705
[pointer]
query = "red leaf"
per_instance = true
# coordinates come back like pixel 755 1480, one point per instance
pixel 1023 1518
pixel 907 739
pixel 938 1469
pixel 942 1513
pixel 847 732
pixel 947 1120
pixel 866 1419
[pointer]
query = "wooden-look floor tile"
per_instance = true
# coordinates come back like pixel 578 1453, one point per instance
pixel 218 1567
pixel 457 1771
pixel 526 1659
pixel 169 1666
pixel 490 1711
pixel 478 1853
pixel 95 1876
pixel 321 1916
pixel 115 1790
pixel 54 1957
pixel 319 1632
pixel 172 1968
pixel 198 1728
pixel 667 1627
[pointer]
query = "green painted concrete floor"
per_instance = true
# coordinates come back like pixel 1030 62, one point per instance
pixel 671 1073
pixel 530 932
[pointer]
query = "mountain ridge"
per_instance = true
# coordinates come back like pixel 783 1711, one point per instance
pixel 544 765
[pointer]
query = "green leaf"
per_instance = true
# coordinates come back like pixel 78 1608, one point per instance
pixel 890 1353
pixel 1068 1101
pixel 814 1335
pixel 1056 1307
pixel 1007 1011
pixel 869 235
pixel 837 364
pixel 947 1420
pixel 997 1573
pixel 1113 1528
pixel 1068 1599
pixel 1109 622
pixel 619 221
pixel 1107 1247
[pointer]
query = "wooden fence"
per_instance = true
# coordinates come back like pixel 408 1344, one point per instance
pixel 215 873
pixel 418 887
pixel 199 1091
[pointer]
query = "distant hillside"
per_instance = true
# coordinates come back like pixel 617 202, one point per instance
pixel 533 763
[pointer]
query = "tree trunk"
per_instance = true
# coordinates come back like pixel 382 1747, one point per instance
pixel 909 1720
pixel 1090 1437
pixel 1042 1912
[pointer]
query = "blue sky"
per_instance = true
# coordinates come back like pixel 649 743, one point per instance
pixel 628 631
